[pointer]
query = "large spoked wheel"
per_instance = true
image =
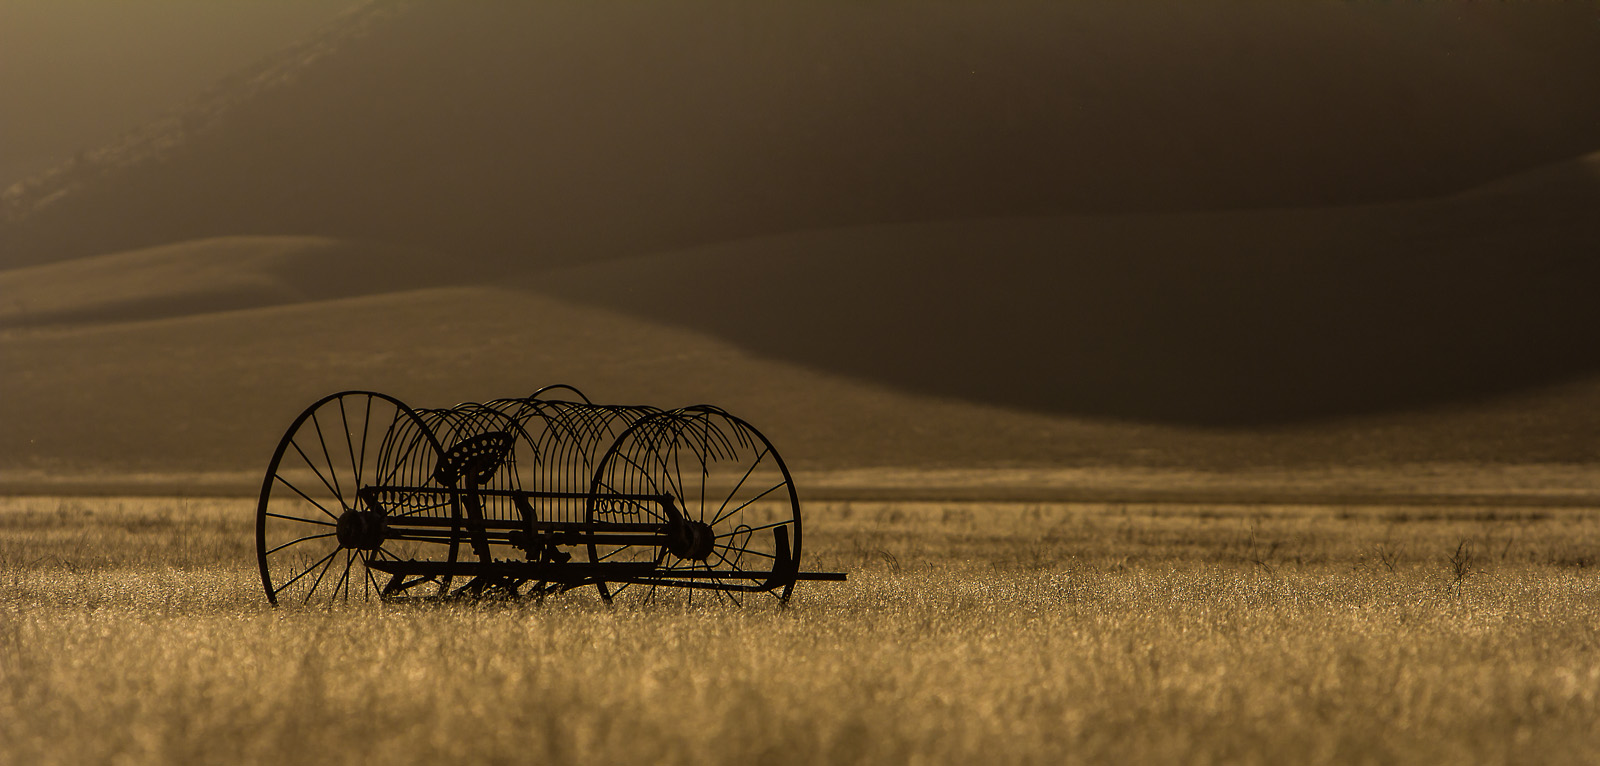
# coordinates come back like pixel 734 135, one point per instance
pixel 739 516
pixel 348 464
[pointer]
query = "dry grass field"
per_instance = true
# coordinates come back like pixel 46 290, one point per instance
pixel 133 631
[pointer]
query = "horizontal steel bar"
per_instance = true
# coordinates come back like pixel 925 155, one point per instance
pixel 602 538
pixel 619 571
pixel 529 494
pixel 583 527
pixel 525 569
pixel 706 574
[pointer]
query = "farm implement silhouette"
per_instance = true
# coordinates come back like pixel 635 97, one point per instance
pixel 367 498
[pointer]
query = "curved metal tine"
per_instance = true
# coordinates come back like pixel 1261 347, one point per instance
pixel 570 421
pixel 556 386
pixel 645 475
pixel 703 414
pixel 695 431
pixel 386 449
pixel 401 460
pixel 656 488
pixel 664 441
pixel 419 509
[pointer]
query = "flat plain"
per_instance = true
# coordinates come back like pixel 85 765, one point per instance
pixel 134 631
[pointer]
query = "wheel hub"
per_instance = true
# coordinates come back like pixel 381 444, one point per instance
pixel 360 529
pixel 691 540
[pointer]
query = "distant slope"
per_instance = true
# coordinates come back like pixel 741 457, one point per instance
pixel 1215 319
pixel 76 73
pixel 515 133
pixel 204 276
pixel 214 392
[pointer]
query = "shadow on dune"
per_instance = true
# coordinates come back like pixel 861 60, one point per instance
pixel 1228 320
pixel 562 132
pixel 210 276
pixel 1103 141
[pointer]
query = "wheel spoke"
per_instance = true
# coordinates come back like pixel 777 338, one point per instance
pixel 349 447
pixel 366 432
pixel 286 483
pixel 301 520
pixel 370 585
pixel 735 462
pixel 320 575
pixel 746 503
pixel 723 590
pixel 757 529
pixel 306 572
pixel 736 487
pixel 319 476
pixel 328 456
pixel 300 540
pixel 749 551
pixel 399 441
pixel 344 579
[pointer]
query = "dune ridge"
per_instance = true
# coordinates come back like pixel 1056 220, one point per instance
pixel 207 276
pixel 213 392
pixel 556 133
pixel 919 235
pixel 1229 318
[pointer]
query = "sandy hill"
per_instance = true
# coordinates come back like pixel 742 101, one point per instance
pixel 511 132
pixel 205 276
pixel 76 73
pixel 1235 318
pixel 197 403
pixel 1025 236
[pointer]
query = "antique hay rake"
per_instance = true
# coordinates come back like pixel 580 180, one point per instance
pixel 368 498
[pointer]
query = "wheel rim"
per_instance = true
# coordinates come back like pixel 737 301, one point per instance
pixel 722 473
pixel 314 535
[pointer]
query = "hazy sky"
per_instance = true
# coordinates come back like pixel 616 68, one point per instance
pixel 76 73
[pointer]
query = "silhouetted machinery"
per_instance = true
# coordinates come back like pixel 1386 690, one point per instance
pixel 368 498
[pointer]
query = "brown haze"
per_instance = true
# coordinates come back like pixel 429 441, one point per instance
pixel 1178 381
pixel 76 73
pixel 1212 234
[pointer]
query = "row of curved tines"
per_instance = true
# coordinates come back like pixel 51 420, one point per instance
pixel 557 446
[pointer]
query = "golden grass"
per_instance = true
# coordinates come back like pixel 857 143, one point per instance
pixel 133 631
